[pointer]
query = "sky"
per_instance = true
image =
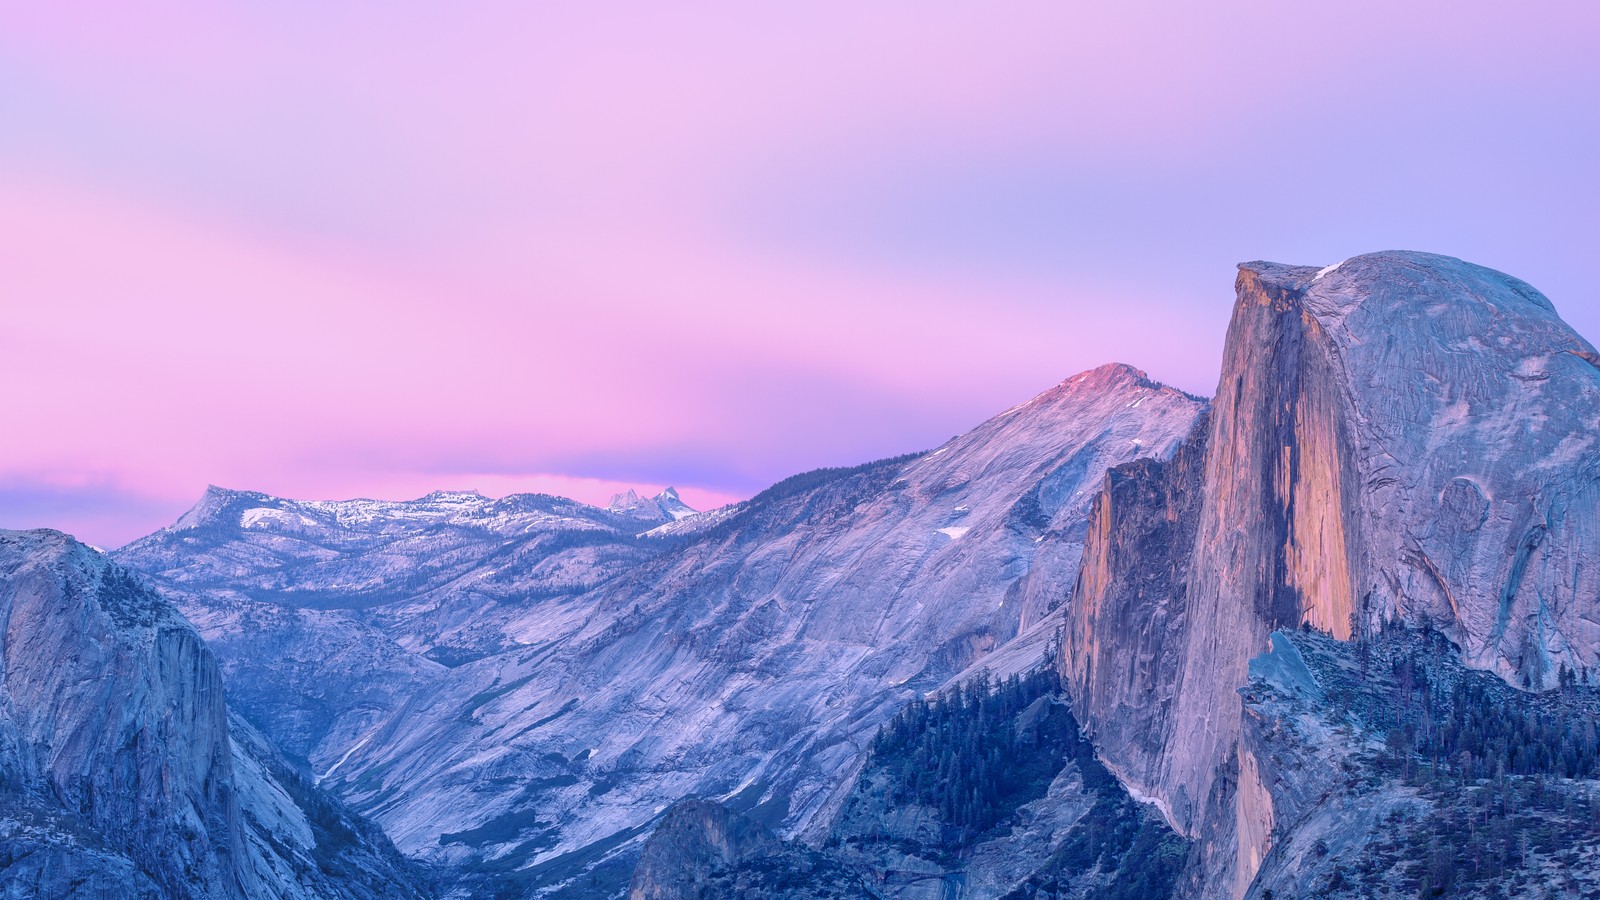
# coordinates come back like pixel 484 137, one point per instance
pixel 378 249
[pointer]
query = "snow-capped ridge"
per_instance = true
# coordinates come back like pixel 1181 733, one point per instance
pixel 666 505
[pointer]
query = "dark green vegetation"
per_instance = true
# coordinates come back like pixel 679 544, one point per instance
pixel 977 752
pixel 975 755
pixel 947 796
pixel 127 600
pixel 1128 849
pixel 1444 720
pixel 1510 801
pixel 343 841
pixel 1509 837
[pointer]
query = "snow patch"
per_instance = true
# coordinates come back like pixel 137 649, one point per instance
pixel 955 531
pixel 1328 270
pixel 263 517
pixel 347 754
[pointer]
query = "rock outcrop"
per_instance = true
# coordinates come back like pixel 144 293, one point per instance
pixel 113 710
pixel 701 850
pixel 118 777
pixel 1401 437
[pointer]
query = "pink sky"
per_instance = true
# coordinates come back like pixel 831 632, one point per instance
pixel 385 249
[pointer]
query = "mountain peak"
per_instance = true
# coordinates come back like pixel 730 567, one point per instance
pixel 212 503
pixel 624 501
pixel 665 506
pixel 1110 378
pixel 1110 374
pixel 451 497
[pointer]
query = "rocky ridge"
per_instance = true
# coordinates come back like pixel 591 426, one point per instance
pixel 326 616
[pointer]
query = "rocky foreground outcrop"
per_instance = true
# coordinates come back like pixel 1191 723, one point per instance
pixel 118 777
pixel 1400 437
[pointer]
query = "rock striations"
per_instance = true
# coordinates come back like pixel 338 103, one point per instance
pixel 1401 437
pixel 746 653
pixel 118 777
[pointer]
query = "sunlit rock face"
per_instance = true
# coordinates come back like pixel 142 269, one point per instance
pixel 1473 478
pixel 118 775
pixel 1400 436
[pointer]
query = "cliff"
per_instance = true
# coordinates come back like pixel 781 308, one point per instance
pixel 113 710
pixel 118 776
pixel 1401 437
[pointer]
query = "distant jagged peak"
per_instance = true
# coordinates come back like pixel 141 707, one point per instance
pixel 624 501
pixel 468 496
pixel 456 495
pixel 664 506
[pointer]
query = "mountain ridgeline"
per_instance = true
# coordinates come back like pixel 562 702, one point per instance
pixel 1333 633
pixel 750 657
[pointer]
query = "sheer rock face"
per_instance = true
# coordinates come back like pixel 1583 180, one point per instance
pixel 1125 632
pixel 118 775
pixel 1401 436
pixel 113 708
pixel 1473 420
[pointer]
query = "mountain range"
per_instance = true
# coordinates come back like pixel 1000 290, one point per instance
pixel 1333 632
